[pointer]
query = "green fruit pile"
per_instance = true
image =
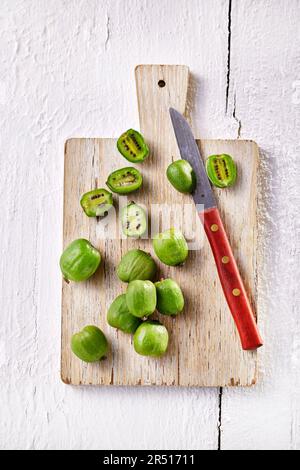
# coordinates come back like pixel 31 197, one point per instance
pixel 131 311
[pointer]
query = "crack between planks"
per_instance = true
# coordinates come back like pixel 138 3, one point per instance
pixel 220 419
pixel 107 32
pixel 238 121
pixel 228 53
pixel 234 116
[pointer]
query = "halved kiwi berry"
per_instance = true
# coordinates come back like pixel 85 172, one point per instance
pixel 133 220
pixel 132 146
pixel 221 170
pixel 124 181
pixel 96 203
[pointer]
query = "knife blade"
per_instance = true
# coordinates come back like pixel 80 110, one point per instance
pixel 189 151
pixel 232 284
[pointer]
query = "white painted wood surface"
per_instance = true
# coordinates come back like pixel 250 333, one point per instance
pixel 66 70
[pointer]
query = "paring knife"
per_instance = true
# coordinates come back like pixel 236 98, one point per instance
pixel 229 275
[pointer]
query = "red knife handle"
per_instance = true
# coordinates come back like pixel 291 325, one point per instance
pixel 231 281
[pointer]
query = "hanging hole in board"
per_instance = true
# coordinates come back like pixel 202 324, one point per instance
pixel 161 83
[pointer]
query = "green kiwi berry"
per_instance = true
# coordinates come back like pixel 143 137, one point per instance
pixel 182 176
pixel 170 300
pixel 132 146
pixel 221 170
pixel 133 220
pixel 90 344
pixel 119 316
pixel 171 247
pixel 79 260
pixel 125 180
pixel 136 264
pixel 151 339
pixel 141 298
pixel 96 203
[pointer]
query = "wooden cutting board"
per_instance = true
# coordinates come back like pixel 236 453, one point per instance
pixel 204 346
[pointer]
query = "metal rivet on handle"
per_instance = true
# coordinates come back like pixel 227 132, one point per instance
pixel 214 228
pixel 225 260
pixel 236 292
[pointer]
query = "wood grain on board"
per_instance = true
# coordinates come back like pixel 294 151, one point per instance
pixel 204 345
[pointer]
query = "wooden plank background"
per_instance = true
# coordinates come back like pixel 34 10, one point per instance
pixel 67 71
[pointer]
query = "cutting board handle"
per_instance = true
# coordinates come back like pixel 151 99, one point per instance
pixel 160 87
